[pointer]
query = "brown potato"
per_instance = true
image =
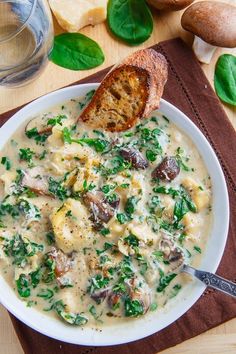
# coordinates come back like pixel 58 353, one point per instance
pixel 170 5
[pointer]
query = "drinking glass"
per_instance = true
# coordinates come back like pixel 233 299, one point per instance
pixel 26 39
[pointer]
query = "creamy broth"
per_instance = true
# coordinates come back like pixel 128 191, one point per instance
pixel 94 225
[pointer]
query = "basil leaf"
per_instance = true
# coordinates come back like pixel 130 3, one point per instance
pixel 225 78
pixel 75 51
pixel 130 20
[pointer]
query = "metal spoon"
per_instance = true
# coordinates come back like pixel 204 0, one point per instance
pixel 212 280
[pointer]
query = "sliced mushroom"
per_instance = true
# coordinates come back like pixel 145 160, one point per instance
pixel 170 5
pixel 101 210
pixel 41 128
pixel 172 254
pixel 113 299
pixel 167 170
pixel 134 156
pixel 100 295
pixel 36 180
pixel 213 24
pixel 63 264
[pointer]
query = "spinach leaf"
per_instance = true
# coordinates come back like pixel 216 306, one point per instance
pixel 6 162
pixel 131 205
pixel 23 286
pixel 99 145
pixel 46 294
pixel 69 317
pixel 57 189
pixel 75 51
pixel 165 281
pixel 37 136
pixel 175 290
pixel 56 120
pixel 225 78
pixel 26 155
pixel 180 210
pixel 97 282
pixel 133 308
pixel 20 249
pixel 130 20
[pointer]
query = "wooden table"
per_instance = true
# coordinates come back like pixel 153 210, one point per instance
pixel 167 25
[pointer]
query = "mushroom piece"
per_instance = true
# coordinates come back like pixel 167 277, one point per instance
pixel 100 295
pixel 134 157
pixel 213 24
pixel 63 263
pixel 102 210
pixel 36 180
pixel 167 170
pixel 42 128
pixel 170 5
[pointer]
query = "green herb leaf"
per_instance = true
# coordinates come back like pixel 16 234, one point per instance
pixel 197 249
pixel 46 294
pixel 23 286
pixel 150 155
pixel 69 317
pixel 225 78
pixel 130 20
pixel 97 282
pixel 133 308
pixel 38 137
pixel 175 290
pixel 131 205
pixel 57 189
pixel 56 120
pixel 165 281
pixel 6 162
pixel 75 51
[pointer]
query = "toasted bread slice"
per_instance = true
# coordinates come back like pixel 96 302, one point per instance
pixel 132 90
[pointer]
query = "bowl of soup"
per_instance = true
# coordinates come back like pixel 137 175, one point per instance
pixel 95 226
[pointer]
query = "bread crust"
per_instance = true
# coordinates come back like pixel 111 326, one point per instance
pixel 150 69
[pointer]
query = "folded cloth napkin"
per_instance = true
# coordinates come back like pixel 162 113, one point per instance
pixel 188 89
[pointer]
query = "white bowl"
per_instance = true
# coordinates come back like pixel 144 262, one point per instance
pixel 153 321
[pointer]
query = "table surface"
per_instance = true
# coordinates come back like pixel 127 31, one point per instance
pixel 221 339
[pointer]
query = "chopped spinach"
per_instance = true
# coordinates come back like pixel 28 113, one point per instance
pixel 99 145
pixel 97 282
pixel 20 249
pixel 57 189
pixel 69 317
pixel 56 120
pixel 37 136
pixel 6 162
pixel 165 281
pixel 133 308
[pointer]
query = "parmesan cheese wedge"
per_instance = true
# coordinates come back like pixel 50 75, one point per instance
pixel 73 15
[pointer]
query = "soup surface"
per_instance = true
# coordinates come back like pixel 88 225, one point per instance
pixel 95 226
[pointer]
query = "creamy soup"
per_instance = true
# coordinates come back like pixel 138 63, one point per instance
pixel 95 226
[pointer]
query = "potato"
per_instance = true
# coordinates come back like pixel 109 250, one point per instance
pixel 200 197
pixel 71 226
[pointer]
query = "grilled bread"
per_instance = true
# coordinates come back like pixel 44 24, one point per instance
pixel 132 90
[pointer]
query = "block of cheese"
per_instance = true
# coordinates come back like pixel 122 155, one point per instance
pixel 75 14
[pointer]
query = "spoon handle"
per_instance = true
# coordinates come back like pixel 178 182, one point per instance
pixel 212 280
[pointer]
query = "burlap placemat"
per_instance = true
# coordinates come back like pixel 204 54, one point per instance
pixel 188 89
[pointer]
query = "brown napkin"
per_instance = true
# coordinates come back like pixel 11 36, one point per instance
pixel 188 89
